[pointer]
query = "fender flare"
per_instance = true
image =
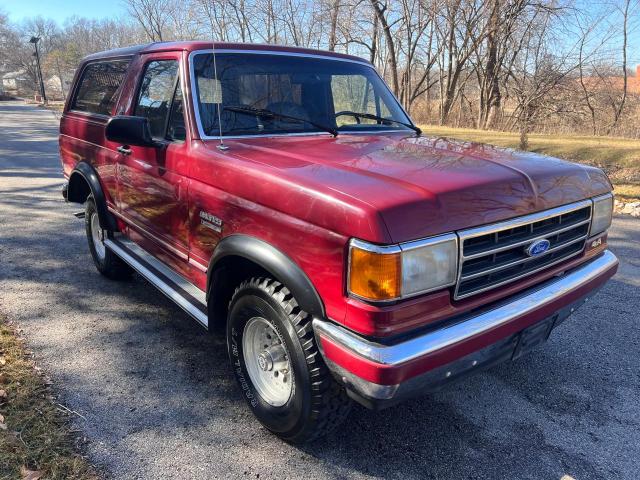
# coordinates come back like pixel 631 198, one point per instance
pixel 283 268
pixel 90 176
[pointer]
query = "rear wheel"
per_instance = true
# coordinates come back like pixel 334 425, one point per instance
pixel 107 263
pixel 278 365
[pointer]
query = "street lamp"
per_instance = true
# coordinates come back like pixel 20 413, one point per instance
pixel 35 41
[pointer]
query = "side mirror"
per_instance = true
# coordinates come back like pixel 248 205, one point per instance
pixel 130 131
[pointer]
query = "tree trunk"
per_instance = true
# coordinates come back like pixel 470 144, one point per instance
pixel 334 25
pixel 618 112
pixel 374 39
pixel 524 136
pixel 491 97
pixel 393 61
pixel 524 128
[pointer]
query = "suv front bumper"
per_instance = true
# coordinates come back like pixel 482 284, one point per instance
pixel 381 374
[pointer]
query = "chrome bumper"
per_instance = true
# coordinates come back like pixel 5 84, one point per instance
pixel 395 355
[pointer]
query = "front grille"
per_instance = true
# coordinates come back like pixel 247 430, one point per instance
pixel 495 255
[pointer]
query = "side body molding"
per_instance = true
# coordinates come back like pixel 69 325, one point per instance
pixel 77 193
pixel 273 261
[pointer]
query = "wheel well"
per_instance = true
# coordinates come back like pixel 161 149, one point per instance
pixel 83 182
pixel 79 189
pixel 229 272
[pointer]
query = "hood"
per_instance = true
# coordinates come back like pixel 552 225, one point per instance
pixel 424 186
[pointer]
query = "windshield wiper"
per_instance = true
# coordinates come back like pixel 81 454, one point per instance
pixel 261 112
pixel 371 116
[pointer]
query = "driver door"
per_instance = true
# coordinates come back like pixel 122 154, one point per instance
pixel 153 181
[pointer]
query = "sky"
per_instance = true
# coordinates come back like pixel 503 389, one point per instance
pixel 60 10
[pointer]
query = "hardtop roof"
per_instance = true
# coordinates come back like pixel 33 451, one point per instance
pixel 202 45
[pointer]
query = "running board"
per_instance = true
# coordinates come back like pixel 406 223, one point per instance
pixel 184 293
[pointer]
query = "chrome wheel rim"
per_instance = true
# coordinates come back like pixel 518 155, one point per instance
pixel 267 361
pixel 97 236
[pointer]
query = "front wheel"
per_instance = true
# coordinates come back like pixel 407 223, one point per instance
pixel 107 262
pixel 277 363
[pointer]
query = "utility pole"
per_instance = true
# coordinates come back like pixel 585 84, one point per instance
pixel 35 41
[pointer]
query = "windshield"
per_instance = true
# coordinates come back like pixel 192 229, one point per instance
pixel 299 90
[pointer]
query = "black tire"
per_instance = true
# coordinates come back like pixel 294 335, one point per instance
pixel 108 263
pixel 317 404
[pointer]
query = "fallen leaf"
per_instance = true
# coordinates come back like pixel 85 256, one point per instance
pixel 2 426
pixel 1 419
pixel 3 361
pixel 26 474
pixel 3 394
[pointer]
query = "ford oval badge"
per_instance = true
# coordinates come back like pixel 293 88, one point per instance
pixel 538 247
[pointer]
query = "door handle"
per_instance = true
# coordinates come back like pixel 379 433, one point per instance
pixel 124 150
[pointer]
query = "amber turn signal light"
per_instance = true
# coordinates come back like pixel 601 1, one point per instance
pixel 375 276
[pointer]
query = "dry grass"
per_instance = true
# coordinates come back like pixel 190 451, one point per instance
pixel 56 107
pixel 627 192
pixel 35 437
pixel 619 157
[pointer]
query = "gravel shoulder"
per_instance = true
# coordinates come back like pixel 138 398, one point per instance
pixel 159 400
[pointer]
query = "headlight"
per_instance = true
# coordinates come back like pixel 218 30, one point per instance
pixel 400 271
pixel 602 212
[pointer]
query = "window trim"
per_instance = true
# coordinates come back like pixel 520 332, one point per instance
pixel 176 84
pixel 196 107
pixel 74 94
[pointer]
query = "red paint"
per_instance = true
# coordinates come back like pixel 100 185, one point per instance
pixel 308 195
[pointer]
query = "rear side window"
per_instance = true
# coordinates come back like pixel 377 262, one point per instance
pixel 98 87
pixel 156 94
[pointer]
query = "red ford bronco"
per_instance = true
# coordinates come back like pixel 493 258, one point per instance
pixel 283 194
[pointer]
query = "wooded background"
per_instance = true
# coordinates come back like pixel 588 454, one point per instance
pixel 561 67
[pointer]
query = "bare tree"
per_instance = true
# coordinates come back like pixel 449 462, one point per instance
pixel 461 31
pixel 334 11
pixel 538 73
pixel 153 16
pixel 360 28
pixel 618 105
pixel 504 20
pixel 488 63
pixel 417 49
pixel 381 9
pixel 588 75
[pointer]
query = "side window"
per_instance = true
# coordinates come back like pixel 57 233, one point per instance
pixel 176 129
pixel 156 94
pixel 98 87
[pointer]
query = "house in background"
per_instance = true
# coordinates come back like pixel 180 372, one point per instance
pixel 17 84
pixel 634 82
pixel 615 83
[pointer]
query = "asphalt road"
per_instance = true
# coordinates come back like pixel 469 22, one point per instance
pixel 159 401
